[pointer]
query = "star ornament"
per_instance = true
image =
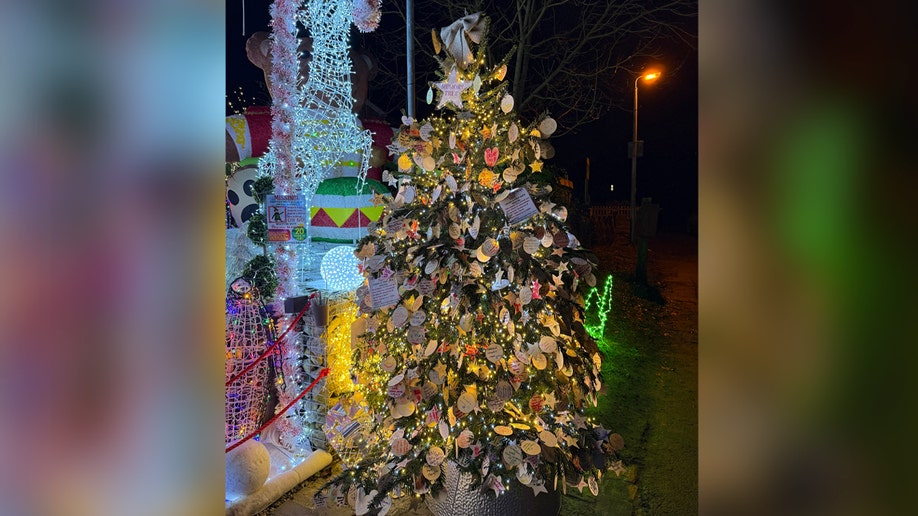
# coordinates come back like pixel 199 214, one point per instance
pixel 452 89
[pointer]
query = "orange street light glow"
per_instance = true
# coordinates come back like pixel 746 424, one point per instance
pixel 651 76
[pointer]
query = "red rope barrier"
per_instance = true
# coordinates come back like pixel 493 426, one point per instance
pixel 322 374
pixel 270 350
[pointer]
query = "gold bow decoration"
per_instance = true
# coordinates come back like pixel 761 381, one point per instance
pixel 454 38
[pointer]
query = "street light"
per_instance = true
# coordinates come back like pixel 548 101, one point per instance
pixel 634 143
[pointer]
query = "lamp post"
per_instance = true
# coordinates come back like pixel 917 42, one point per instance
pixel 634 143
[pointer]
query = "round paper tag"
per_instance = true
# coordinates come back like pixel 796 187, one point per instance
pixel 399 316
pixel 506 103
pixel 404 162
pixel 494 403
pixel 525 295
pixel 490 247
pixel 435 377
pixel 388 365
pixel 465 322
pixel 548 438
pixel 430 472
pixel 431 266
pixel 494 353
pixel 512 134
pixel 539 361
pixel 548 126
pixel 454 231
pixel 418 318
pixel 405 407
pixel 531 245
pixel 524 475
pixel 425 287
pixel 465 438
pixel 503 390
pixel 397 391
pixel 531 447
pixel 535 403
pixel 547 240
pixel 512 455
pixel 428 390
pixel 435 456
pixel 428 163
pixel 503 430
pixel 481 256
pixel 548 344
pixel 431 347
pixel 466 403
pixel 417 334
pixel 594 487
pixel 400 446
pixel 560 239
pixel 504 316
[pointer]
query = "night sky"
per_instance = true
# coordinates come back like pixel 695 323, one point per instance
pixel 668 124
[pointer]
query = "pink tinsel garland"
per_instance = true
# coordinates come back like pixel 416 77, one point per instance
pixel 366 14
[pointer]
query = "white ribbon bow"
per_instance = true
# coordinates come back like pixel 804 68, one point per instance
pixel 453 37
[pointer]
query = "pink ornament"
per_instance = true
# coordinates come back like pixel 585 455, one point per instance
pixel 491 156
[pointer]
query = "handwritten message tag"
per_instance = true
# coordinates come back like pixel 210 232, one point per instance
pixel 518 206
pixel 383 292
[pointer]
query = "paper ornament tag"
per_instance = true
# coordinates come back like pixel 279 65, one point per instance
pixel 465 438
pixel 454 231
pixel 548 344
pixel 531 447
pixel 525 296
pixel 518 206
pixel 399 316
pixel 536 403
pixel 539 361
pixel 560 239
pixel 504 391
pixel 397 391
pixel 490 247
pixel 428 164
pixel 513 133
pixel 404 163
pixel 547 126
pixel 524 475
pixel 418 318
pixel 466 403
pixel 465 322
pixel 512 455
pixel 559 361
pixel 435 456
pixel 409 193
pixel 383 293
pixel 405 407
pixel 482 257
pixel 473 229
pixel 417 334
pixel 388 364
pixel 476 83
pixel 494 353
pixel 426 287
pixel 494 403
pixel 506 103
pixel 400 447
pixel 547 240
pixel 430 472
pixel 429 95
pixel 435 377
pixel 443 428
pixel 428 389
pixel 425 131
pixel 503 430
pixel 384 506
pixel 593 485
pixel 548 438
pixel 475 270
pixel 451 183
pixel 531 245
pixel 352 496
pixel 452 140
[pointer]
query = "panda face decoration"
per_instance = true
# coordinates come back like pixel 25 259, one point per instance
pixel 239 193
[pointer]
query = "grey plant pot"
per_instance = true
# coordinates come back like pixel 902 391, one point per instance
pixel 459 500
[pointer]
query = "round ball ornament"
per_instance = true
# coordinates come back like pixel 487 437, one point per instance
pixel 339 269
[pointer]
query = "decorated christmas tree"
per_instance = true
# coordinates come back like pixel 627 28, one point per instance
pixel 473 353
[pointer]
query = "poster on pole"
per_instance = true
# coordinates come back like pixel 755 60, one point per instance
pixel 286 217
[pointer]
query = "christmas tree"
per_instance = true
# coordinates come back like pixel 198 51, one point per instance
pixel 474 350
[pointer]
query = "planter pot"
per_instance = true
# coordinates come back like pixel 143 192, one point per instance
pixel 458 500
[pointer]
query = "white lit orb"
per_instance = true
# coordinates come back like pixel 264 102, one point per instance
pixel 339 269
